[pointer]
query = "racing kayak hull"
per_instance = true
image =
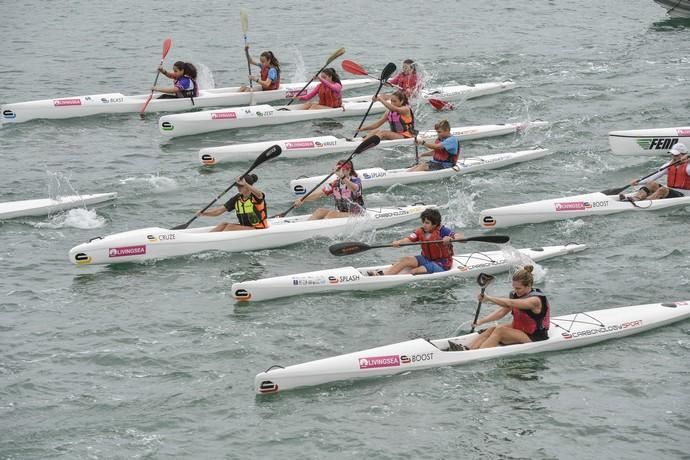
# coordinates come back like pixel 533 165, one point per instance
pixel 379 177
pixel 647 142
pixel 357 279
pixel 566 332
pixel 159 243
pixel 676 8
pixel 97 104
pixel 187 124
pixel 311 147
pixel 572 207
pixel 45 206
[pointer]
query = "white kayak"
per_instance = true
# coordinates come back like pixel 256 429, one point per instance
pixel 357 279
pixel 676 8
pixel 571 207
pixel 379 177
pixel 567 331
pixel 656 141
pixel 45 206
pixel 311 147
pixel 161 243
pixel 186 124
pixel 96 104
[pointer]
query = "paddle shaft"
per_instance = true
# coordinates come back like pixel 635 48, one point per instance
pixel 476 313
pixel 614 191
pixel 361 123
pixel 166 47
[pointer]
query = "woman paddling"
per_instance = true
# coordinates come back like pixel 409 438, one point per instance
pixel 530 310
pixel 269 75
pixel 184 76
pixel 329 90
pixel 399 117
pixel 346 190
pixel 249 206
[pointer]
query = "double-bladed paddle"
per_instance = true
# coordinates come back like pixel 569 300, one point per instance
pixel 355 247
pixel 268 154
pixel 244 21
pixel 365 145
pixel 356 69
pixel 616 191
pixel 385 75
pixel 167 43
pixel 332 58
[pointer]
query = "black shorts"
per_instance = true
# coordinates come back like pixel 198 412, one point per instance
pixel 674 193
pixel 539 336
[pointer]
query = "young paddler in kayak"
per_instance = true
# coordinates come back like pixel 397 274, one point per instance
pixel 399 116
pixel 184 76
pixel 445 150
pixel 435 257
pixel 249 206
pixel 346 190
pixel 407 80
pixel 530 309
pixel 269 74
pixel 677 182
pixel 329 90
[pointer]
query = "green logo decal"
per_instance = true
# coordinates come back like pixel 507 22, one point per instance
pixel 645 144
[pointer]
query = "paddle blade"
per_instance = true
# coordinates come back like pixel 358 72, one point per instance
pixel 484 280
pixel 347 248
pixel 387 71
pixel 268 154
pixel 614 191
pixel 353 68
pixel 244 20
pixel 167 43
pixel 498 239
pixel 440 105
pixel 339 52
pixel 368 143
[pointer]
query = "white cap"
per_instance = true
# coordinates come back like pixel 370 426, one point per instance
pixel 678 149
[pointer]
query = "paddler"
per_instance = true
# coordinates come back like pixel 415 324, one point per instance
pixel 530 310
pixel 406 80
pixel 435 257
pixel 399 116
pixel 269 73
pixel 184 76
pixel 249 206
pixel 677 182
pixel 346 191
pixel 445 150
pixel 329 90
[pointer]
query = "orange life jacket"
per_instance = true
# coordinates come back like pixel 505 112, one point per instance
pixel 437 252
pixel 329 98
pixel 264 75
pixel 678 177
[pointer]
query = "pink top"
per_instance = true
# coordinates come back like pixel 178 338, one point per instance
pixel 335 87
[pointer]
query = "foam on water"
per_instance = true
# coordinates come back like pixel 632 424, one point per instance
pixel 76 218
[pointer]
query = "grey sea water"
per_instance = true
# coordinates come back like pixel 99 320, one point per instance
pixel 156 361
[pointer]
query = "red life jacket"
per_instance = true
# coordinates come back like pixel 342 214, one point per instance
pixel 264 75
pixel 440 253
pixel 408 83
pixel 528 321
pixel 678 177
pixel 444 156
pixel 329 98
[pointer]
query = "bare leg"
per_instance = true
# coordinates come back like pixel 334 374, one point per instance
pixel 320 213
pixel 506 335
pixel 389 135
pixel 660 193
pixel 224 227
pixel 479 340
pixel 420 167
pixel 642 194
pixel 405 262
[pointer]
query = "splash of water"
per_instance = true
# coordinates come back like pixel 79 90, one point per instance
pixel 204 77
pixel 85 219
